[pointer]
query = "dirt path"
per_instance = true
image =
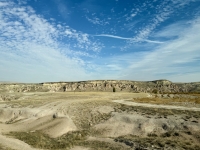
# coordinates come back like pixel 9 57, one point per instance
pixel 127 102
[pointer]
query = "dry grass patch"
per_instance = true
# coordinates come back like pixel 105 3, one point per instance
pixel 154 143
pixel 41 98
pixel 101 145
pixel 43 141
pixel 170 101
pixel 65 142
pixel 156 111
pixel 4 148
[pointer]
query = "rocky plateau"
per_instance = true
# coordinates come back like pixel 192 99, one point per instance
pixel 157 86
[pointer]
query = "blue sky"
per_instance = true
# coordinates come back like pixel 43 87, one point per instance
pixel 74 40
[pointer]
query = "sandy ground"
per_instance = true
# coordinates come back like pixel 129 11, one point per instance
pixel 56 114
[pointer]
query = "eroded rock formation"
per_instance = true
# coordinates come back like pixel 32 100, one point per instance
pixel 157 86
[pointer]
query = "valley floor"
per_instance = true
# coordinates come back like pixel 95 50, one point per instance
pixel 99 120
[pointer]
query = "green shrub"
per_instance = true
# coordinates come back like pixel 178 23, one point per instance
pixel 155 91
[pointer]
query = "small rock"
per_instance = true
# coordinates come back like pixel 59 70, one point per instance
pixel 55 115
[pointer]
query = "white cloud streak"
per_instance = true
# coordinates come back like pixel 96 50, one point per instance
pixel 164 10
pixel 114 36
pixel 124 38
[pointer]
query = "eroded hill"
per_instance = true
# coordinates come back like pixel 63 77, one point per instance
pixel 157 86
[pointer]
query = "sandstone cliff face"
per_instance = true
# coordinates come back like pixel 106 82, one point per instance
pixel 158 86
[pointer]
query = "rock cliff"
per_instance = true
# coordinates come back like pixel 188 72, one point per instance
pixel 157 86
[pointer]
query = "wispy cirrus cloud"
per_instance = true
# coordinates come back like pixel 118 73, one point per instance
pixel 164 11
pixel 3 4
pixel 130 39
pixel 176 60
pixel 133 13
pixel 142 32
pixel 36 28
pixel 96 21
pixel 173 30
pixel 113 36
pixel 36 49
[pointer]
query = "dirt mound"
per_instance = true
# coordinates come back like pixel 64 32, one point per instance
pixel 142 125
pixel 30 119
